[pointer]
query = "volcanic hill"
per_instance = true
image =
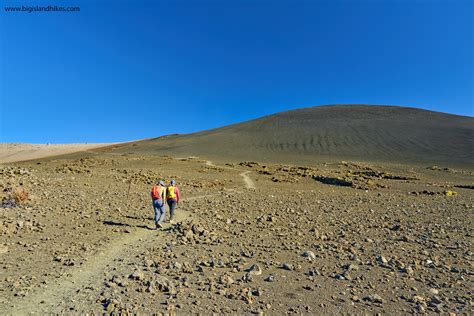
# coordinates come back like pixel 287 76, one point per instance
pixel 362 132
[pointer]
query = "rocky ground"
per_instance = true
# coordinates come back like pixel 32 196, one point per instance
pixel 342 237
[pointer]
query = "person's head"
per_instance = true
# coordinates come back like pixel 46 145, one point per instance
pixel 161 183
pixel 172 182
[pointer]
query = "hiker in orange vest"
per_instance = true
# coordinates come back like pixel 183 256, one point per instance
pixel 172 197
pixel 158 196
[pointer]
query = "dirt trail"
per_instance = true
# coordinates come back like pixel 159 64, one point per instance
pixel 66 287
pixel 86 275
pixel 249 184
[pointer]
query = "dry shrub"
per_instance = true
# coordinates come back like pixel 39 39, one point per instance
pixel 19 195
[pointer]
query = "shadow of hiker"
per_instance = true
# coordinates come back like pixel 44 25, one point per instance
pixel 112 223
pixel 145 227
pixel 139 218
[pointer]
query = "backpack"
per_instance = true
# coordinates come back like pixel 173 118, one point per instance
pixel 155 193
pixel 170 194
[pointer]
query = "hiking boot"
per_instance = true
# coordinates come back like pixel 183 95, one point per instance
pixel 158 225
pixel 171 221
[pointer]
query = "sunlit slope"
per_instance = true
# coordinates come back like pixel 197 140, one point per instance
pixel 386 133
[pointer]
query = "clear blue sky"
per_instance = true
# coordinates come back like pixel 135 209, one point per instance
pixel 125 70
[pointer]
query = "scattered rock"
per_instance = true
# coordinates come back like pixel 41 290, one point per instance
pixel 309 254
pixel 288 266
pixel 227 280
pixel 164 285
pixel 434 291
pixel 382 260
pixel 374 298
pixel 351 267
pixel 137 275
pixel 254 269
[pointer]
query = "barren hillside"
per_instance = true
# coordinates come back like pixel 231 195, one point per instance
pixel 11 152
pixel 383 133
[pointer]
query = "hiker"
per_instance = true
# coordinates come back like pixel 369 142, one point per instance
pixel 172 197
pixel 158 196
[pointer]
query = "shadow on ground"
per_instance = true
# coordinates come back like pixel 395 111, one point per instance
pixel 112 223
pixel 139 218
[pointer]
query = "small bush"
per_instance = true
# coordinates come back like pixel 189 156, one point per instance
pixel 19 195
pixel 450 193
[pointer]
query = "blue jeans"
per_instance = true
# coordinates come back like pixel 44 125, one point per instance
pixel 172 204
pixel 159 207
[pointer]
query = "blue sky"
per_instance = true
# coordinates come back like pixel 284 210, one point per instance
pixel 125 70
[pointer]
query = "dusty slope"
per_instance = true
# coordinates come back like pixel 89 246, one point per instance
pixel 11 152
pixel 391 242
pixel 360 132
